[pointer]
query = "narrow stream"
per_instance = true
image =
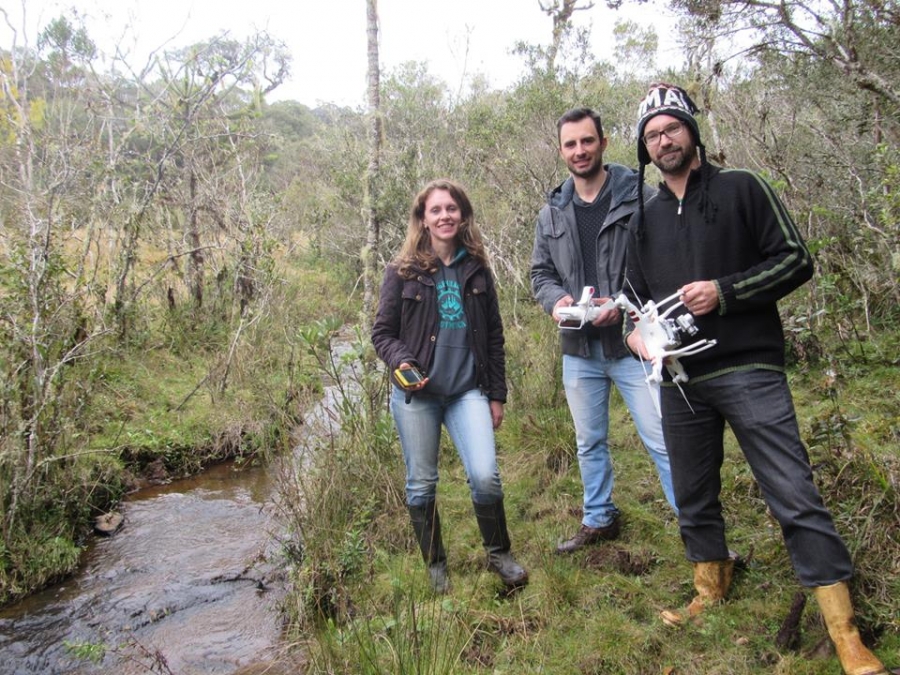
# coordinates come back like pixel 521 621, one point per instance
pixel 187 587
pixel 184 588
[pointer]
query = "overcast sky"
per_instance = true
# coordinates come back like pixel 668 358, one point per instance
pixel 327 38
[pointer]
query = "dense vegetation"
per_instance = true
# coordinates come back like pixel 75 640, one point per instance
pixel 175 252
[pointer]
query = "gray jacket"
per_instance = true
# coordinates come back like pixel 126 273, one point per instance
pixel 557 267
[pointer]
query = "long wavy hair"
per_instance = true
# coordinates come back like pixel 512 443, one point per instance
pixel 416 252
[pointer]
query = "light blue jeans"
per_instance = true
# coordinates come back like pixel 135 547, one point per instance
pixel 468 420
pixel 588 382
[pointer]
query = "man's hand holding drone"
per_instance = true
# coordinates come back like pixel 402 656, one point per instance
pixel 656 338
pixel 699 297
pixel 597 311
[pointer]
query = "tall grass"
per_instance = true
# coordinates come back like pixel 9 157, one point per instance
pixel 361 602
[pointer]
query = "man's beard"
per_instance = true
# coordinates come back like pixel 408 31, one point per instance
pixel 590 172
pixel 675 161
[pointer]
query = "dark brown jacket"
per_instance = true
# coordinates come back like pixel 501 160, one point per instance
pixel 406 323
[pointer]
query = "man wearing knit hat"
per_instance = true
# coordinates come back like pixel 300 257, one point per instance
pixel 724 241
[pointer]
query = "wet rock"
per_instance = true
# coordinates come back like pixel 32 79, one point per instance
pixel 108 524
pixel 156 472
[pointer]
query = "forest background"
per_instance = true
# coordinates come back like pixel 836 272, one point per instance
pixel 175 253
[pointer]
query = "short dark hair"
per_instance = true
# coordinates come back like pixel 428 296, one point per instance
pixel 578 114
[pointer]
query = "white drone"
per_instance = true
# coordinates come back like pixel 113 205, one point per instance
pixel 660 334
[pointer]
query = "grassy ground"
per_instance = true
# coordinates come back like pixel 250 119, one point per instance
pixel 362 602
pixel 199 387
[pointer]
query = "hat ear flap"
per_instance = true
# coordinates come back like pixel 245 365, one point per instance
pixel 642 153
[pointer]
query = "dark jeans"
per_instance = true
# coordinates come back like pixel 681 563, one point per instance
pixel 758 407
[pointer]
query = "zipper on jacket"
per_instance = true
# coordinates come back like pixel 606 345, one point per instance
pixel 680 201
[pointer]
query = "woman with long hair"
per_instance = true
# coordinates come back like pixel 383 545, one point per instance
pixel 439 331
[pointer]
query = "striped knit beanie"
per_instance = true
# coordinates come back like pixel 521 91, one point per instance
pixel 665 99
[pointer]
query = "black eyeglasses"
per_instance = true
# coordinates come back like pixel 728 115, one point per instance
pixel 673 131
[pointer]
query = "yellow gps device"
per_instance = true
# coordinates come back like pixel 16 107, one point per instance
pixel 408 376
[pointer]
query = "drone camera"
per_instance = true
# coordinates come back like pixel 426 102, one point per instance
pixel 686 324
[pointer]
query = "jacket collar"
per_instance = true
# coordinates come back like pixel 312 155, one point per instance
pixel 622 181
pixel 462 261
pixel 693 181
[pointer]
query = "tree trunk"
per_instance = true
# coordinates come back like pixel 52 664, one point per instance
pixel 195 260
pixel 561 12
pixel 370 202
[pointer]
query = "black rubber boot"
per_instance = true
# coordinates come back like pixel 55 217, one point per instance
pixel 492 523
pixel 427 526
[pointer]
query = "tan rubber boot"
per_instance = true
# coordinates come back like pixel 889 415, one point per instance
pixel 712 580
pixel 834 602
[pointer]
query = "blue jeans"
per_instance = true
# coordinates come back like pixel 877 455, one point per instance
pixel 757 405
pixel 588 382
pixel 468 420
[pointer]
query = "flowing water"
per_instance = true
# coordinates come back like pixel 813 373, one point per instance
pixel 185 588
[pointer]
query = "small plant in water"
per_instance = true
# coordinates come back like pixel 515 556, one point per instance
pixel 86 651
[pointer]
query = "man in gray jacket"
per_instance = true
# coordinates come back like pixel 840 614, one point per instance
pixel 580 241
